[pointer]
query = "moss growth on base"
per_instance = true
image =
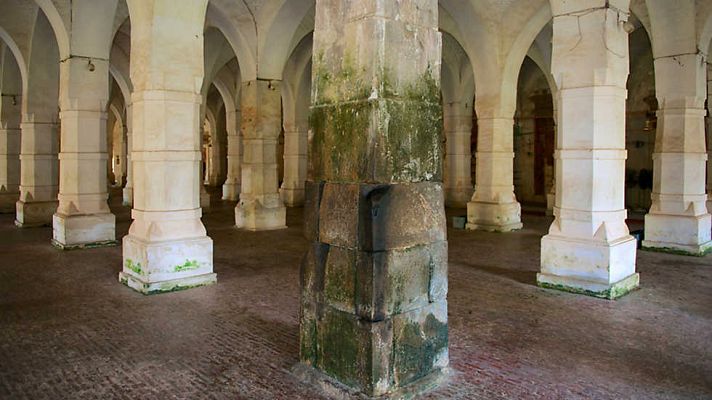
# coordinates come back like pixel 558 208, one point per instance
pixel 133 266
pixel 187 266
pixel 94 245
pixel 679 252
pixel 612 293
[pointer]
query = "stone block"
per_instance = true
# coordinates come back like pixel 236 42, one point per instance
pixel 312 271
pixel 338 215
pixel 401 215
pixel 397 281
pixel 312 199
pixel 356 352
pixel 83 231
pixel 420 343
pixel 307 332
pixel 340 279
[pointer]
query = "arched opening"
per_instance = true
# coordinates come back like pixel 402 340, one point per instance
pixel 534 137
pixel 641 123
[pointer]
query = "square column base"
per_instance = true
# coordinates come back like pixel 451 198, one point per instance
pixel 34 214
pixel 231 191
pixel 128 196
pixel 161 267
pixel 592 268
pixel 83 231
pixel 7 202
pixel 494 217
pixel 292 197
pixel 457 197
pixel 678 234
pixel 255 217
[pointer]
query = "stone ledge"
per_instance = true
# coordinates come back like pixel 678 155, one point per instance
pixel 92 245
pixel 336 390
pixel 167 286
pixel 589 288
pixel 678 249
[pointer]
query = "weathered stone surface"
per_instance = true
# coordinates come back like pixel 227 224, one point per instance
pixel 380 140
pixel 312 199
pixel 338 215
pixel 340 279
pixel 357 353
pixel 393 282
pixel 420 340
pixel 402 216
pixel 312 271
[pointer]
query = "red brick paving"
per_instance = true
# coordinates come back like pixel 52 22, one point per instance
pixel 68 329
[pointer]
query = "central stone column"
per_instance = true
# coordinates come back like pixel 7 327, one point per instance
pixel 494 206
pixel 83 218
pixel 167 247
pixel 231 187
pixel 588 249
pixel 458 159
pixel 678 220
pixel 260 207
pixel 374 281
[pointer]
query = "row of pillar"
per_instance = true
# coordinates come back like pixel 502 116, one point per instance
pixel 373 309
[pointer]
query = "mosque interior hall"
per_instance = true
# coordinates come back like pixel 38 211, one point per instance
pixel 355 199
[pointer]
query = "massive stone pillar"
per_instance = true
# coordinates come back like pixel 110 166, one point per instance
pixel 678 220
pixel 588 249
pixel 295 163
pixel 128 189
pixel 231 187
pixel 494 206
pixel 83 218
pixel 167 247
pixel 374 281
pixel 10 116
pixel 458 156
pixel 260 207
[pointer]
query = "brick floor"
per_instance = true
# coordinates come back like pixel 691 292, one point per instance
pixel 68 329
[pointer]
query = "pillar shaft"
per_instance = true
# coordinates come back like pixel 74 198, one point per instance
pixel 83 217
pixel 128 189
pixel 709 136
pixel 39 171
pixel 457 122
pixel 167 247
pixel 588 249
pixel 295 164
pixel 678 220
pixel 10 116
pixel 374 282
pixel 493 206
pixel 231 187
pixel 260 207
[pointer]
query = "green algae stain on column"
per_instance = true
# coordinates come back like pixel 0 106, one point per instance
pixel 188 265
pixel 133 266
